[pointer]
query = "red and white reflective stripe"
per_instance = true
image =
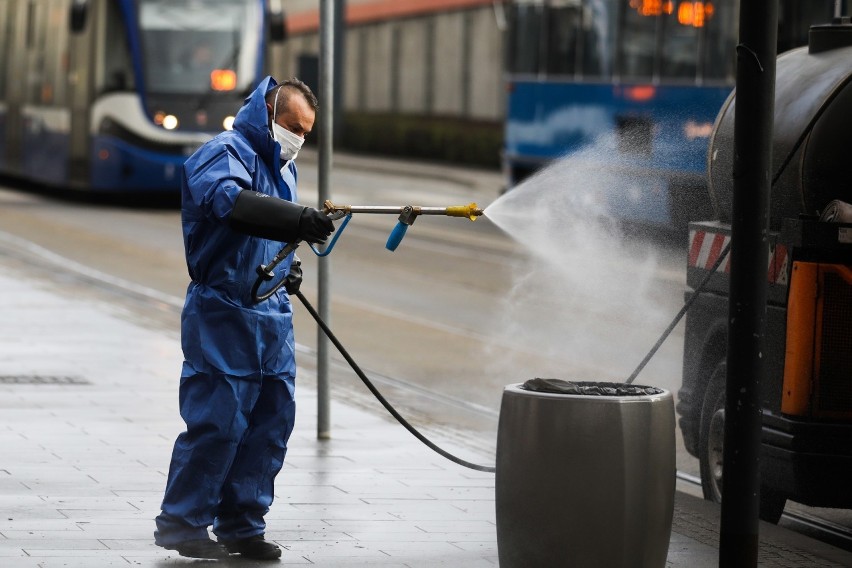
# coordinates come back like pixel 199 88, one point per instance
pixel 778 260
pixel 705 248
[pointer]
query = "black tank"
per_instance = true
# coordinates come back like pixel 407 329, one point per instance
pixel 812 139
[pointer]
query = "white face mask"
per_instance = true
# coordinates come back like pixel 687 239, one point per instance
pixel 289 142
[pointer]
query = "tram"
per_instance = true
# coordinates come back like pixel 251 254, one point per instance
pixel 633 86
pixel 113 95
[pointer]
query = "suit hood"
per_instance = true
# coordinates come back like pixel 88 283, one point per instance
pixel 252 121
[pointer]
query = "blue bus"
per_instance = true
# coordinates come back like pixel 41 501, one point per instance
pixel 113 95
pixel 632 88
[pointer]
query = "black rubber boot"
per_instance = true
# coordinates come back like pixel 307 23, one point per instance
pixel 200 548
pixel 254 547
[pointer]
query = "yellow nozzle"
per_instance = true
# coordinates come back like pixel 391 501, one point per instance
pixel 471 211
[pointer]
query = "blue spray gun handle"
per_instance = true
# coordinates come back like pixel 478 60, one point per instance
pixel 406 218
pixel 396 236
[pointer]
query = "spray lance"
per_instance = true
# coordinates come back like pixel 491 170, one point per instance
pixel 407 215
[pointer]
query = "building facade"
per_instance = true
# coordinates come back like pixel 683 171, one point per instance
pixel 429 71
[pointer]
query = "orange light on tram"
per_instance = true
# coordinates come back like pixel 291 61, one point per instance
pixel 223 80
pixel 694 14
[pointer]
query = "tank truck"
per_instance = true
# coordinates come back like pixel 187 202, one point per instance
pixel 806 453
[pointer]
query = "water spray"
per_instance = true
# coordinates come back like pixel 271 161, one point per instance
pixel 407 215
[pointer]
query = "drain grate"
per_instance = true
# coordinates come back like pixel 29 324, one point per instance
pixel 42 380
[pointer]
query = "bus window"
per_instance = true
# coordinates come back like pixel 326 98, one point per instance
pixel 525 42
pixel 679 53
pixel 564 20
pixel 718 43
pixel 599 18
pixel 561 37
pixel 638 38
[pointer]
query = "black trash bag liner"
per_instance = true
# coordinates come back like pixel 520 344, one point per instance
pixel 559 386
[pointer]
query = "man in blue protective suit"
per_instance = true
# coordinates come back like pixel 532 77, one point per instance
pixel 238 377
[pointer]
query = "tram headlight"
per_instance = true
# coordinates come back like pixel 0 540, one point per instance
pixel 228 123
pixel 170 122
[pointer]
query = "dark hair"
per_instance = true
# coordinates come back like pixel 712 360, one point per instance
pixel 291 86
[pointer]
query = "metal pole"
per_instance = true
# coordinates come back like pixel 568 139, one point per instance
pixel 326 139
pixel 753 122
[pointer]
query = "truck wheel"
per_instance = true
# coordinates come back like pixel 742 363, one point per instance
pixel 711 434
pixel 710 449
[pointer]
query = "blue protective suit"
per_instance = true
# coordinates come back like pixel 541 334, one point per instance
pixel 237 383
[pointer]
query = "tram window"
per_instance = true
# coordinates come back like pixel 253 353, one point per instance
pixel 46 53
pixel 35 64
pixel 525 41
pixel 117 70
pixel 54 89
pixel 185 42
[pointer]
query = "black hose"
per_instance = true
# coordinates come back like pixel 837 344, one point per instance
pixel 265 274
pixel 379 396
pixel 680 314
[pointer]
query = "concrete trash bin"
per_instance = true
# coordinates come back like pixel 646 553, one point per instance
pixel 585 479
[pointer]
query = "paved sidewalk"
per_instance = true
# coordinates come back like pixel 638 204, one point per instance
pixel 88 414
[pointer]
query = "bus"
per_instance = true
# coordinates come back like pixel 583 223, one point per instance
pixel 112 95
pixel 631 87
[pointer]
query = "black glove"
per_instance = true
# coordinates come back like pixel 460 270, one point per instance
pixel 314 226
pixel 294 277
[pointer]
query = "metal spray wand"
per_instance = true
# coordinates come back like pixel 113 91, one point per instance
pixel 407 215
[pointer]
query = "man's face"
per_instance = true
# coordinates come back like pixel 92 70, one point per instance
pixel 298 118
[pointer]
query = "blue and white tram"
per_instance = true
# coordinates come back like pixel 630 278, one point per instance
pixel 113 95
